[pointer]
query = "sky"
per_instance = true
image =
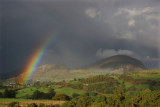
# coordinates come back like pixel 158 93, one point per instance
pixel 85 31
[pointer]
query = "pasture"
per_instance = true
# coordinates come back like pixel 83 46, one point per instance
pixel 68 91
pixel 23 93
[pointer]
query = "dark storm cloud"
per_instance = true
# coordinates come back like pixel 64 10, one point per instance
pixel 84 28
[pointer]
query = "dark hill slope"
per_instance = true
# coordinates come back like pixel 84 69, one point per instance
pixel 123 62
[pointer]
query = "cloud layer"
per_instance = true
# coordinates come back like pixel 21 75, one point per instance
pixel 86 31
pixel 111 52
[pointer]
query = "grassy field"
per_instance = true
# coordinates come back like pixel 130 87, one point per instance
pixel 12 100
pixel 75 82
pixel 145 86
pixel 132 92
pixel 148 74
pixel 128 85
pixel 146 77
pixel 29 91
pixel 69 91
pixel 23 93
pixel 156 87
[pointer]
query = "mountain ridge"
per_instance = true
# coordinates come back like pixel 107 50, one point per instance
pixel 115 64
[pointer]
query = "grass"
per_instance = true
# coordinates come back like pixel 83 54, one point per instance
pixel 29 91
pixel 156 79
pixel 132 92
pixel 128 84
pixel 12 100
pixel 69 91
pixel 23 93
pixel 146 75
pixel 56 86
pixel 120 81
pixel 145 86
pixel 1 90
pixel 75 82
pixel 156 87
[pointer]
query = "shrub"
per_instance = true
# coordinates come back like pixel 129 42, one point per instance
pixel 9 93
pixel 74 95
pixel 62 97
pixel 1 95
pixel 41 95
pixel 36 95
pixel 50 93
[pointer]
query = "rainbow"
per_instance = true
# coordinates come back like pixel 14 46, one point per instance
pixel 35 60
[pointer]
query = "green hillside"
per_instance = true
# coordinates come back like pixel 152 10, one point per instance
pixel 140 88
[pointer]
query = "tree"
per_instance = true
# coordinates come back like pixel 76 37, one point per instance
pixel 62 97
pixel 41 95
pixel 74 95
pixel 37 95
pixel 1 95
pixel 85 101
pixel 9 93
pixel 50 94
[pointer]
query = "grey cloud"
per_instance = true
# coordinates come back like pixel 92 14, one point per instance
pixel 93 13
pixel 134 12
pixel 83 28
pixel 111 52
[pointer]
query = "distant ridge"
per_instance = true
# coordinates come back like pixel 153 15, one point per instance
pixel 114 64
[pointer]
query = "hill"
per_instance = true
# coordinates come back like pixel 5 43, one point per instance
pixel 119 62
pixel 115 64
